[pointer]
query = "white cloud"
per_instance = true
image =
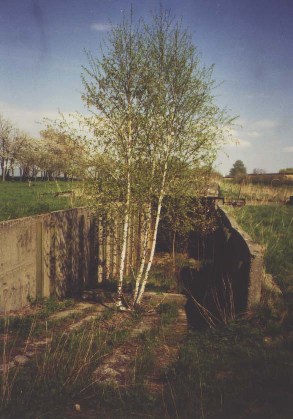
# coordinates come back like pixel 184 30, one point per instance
pixel 288 149
pixel 253 134
pixel 237 142
pixel 29 120
pixel 101 27
pixel 266 124
pixel 243 143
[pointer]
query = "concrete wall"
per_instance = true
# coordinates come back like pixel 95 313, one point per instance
pixel 19 262
pixel 244 259
pixel 229 279
pixel 51 254
pixel 62 253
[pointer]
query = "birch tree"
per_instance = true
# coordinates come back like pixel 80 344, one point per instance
pixel 189 125
pixel 7 135
pixel 152 103
pixel 25 154
pixel 14 146
pixel 61 151
pixel 114 91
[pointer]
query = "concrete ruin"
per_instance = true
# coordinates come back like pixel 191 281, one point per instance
pixel 65 252
pixel 45 255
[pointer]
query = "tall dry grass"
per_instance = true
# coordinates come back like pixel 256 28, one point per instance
pixel 256 194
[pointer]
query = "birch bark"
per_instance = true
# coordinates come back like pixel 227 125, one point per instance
pixel 126 220
pixel 154 238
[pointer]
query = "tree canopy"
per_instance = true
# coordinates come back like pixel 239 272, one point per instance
pixel 238 171
pixel 154 117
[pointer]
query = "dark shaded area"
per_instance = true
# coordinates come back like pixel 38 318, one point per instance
pixel 73 252
pixel 218 289
pixel 180 216
pixel 215 277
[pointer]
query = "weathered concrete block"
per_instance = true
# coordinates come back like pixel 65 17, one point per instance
pixel 249 254
pixel 51 254
pixel 18 263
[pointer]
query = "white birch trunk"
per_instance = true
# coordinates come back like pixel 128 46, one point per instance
pixel 147 228
pixel 124 244
pixel 154 239
pixel 126 220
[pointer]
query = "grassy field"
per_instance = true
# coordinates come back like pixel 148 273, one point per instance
pixel 256 193
pixel 21 199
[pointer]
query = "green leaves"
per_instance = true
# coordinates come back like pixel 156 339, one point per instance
pixel 154 118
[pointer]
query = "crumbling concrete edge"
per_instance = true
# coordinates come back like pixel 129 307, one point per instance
pixel 257 275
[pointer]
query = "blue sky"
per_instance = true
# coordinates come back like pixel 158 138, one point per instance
pixel 250 42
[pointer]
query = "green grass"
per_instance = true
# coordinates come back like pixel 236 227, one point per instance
pixel 272 227
pixel 61 375
pixel 240 370
pixel 244 369
pixel 55 377
pixel 43 309
pixel 233 371
pixel 58 375
pixel 35 325
pixel 236 371
pixel 22 199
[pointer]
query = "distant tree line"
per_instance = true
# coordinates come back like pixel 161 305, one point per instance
pixel 288 170
pixel 239 173
pixel 51 155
